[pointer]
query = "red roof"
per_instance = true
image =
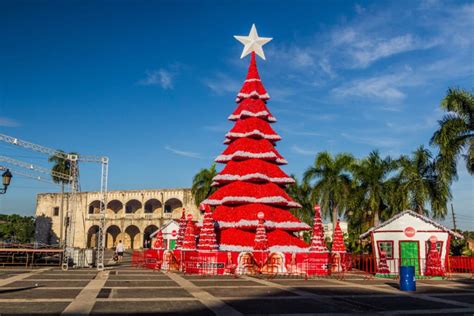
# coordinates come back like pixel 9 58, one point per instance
pixel 252 108
pixel 253 127
pixel 234 239
pixel 253 170
pixel 239 192
pixel 245 217
pixel 246 148
pixel 253 87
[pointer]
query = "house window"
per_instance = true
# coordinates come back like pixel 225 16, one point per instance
pixel 56 211
pixel 387 247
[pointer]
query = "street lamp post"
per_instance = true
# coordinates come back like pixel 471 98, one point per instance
pixel 6 178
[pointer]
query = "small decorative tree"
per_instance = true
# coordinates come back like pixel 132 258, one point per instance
pixel 207 235
pixel 181 230
pixel 189 242
pixel 318 243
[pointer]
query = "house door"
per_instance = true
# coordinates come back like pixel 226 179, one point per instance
pixel 172 244
pixel 409 254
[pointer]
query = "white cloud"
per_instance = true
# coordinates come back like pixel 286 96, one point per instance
pixel 303 151
pixel 222 83
pixel 183 153
pixel 385 87
pixel 372 140
pixel 7 122
pixel 219 128
pixel 160 77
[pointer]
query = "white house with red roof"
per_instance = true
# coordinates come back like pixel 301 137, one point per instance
pixel 405 239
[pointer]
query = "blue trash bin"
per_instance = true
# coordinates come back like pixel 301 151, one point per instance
pixel 407 278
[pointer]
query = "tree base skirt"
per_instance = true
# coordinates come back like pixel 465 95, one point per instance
pixel 238 263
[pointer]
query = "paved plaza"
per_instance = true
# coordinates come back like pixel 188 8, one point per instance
pixel 126 290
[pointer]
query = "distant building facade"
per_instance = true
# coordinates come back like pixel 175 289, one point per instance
pixel 131 216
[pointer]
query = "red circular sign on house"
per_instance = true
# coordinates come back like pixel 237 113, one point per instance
pixel 433 239
pixel 174 233
pixel 410 231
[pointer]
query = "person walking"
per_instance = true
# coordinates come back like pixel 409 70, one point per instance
pixel 119 250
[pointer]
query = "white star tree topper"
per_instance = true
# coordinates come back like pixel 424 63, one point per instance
pixel 253 43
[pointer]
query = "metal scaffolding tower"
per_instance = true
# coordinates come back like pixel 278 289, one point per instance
pixel 73 185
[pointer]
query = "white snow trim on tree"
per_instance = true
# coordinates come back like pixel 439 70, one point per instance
pixel 253 133
pixel 287 249
pixel 252 94
pixel 231 177
pixel 235 248
pixel 268 224
pixel 252 114
pixel 319 249
pixel 252 80
pixel 246 154
pixel 251 199
pixel 225 247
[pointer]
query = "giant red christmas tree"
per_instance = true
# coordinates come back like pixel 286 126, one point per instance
pixel 252 180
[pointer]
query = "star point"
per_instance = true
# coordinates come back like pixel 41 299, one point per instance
pixel 253 43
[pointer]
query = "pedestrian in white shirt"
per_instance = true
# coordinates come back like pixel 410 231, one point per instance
pixel 119 250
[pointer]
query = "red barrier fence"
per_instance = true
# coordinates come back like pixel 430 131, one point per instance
pixel 290 265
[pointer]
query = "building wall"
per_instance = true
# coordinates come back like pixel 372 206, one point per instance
pixel 131 216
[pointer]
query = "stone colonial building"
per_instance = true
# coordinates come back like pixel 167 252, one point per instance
pixel 131 216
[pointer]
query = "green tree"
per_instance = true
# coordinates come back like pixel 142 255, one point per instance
pixel 422 183
pixel 455 136
pixel 332 182
pixel 202 181
pixel 17 228
pixel 302 193
pixel 63 166
pixel 371 175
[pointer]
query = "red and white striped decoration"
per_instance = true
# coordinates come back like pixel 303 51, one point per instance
pixel 261 241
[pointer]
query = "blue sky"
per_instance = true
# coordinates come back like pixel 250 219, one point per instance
pixel 151 83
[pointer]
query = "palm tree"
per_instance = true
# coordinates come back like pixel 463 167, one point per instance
pixel 302 193
pixel 371 176
pixel 456 132
pixel 423 184
pixel 62 166
pixel 333 181
pixel 202 181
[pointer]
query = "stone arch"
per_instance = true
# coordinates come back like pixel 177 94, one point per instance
pixel 114 207
pixel 112 236
pixel 150 229
pixel 172 204
pixel 152 206
pixel 132 238
pixel 132 206
pixel 92 236
pixel 94 207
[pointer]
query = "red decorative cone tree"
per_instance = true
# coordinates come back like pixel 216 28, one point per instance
pixel 433 261
pixel 181 230
pixel 189 241
pixel 318 243
pixel 252 181
pixel 338 245
pixel 207 235
pixel 382 267
pixel 158 245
